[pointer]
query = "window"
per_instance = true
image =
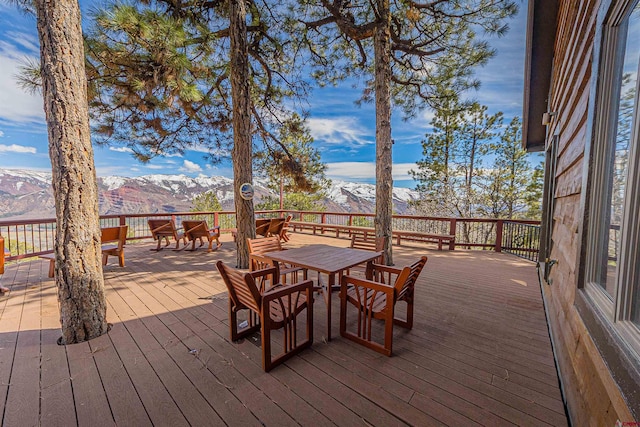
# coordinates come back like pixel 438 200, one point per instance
pixel 612 272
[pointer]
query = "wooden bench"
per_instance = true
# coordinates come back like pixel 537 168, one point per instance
pixel 337 228
pixel 399 235
pixel 115 238
pixel 425 237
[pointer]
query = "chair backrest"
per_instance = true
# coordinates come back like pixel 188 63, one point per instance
pixel 241 286
pixel 194 229
pixel 362 241
pixel 406 280
pixel 114 234
pixel 262 226
pixel 275 227
pixel 374 244
pixel 162 227
pixel 263 245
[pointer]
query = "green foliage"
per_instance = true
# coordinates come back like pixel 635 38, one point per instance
pixel 294 164
pixel 512 184
pixel 362 221
pixel 206 202
pixel 293 201
pixel 450 173
pixel 160 77
pixel 433 44
pixel 451 178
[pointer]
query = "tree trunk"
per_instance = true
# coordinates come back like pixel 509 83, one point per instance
pixel 241 153
pixel 384 178
pixel 77 245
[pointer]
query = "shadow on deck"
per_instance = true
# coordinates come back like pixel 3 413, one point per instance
pixel 479 352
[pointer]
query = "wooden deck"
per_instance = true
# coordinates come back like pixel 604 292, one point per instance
pixel 479 353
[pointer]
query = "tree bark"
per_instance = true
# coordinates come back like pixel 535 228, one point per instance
pixel 77 245
pixel 384 177
pixel 241 153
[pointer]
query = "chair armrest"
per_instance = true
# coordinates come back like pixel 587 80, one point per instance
pixel 192 229
pixel 386 268
pixel 283 290
pixel 275 271
pixel 163 226
pixel 369 284
pixel 261 261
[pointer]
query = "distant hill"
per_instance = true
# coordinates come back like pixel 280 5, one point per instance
pixel 26 194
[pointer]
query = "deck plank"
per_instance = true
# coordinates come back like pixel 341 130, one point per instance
pixel 479 353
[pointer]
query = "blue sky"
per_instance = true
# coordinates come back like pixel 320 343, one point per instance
pixel 343 132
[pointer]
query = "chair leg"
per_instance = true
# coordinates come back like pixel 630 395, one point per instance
pixel 265 332
pixel 121 258
pixel 104 259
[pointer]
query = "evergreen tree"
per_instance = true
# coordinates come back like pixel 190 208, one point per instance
pixel 283 178
pixel 78 264
pixel 416 47
pixel 510 190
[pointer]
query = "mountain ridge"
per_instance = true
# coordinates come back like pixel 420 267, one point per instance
pixel 27 194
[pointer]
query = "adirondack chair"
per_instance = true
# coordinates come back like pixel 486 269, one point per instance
pixel 165 229
pixel 275 227
pixel 200 230
pixel 259 246
pixel 273 309
pixel 285 228
pixel 375 298
pixel 367 243
pixel 113 240
pixel 262 226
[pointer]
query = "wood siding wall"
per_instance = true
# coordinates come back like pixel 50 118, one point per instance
pixel 592 395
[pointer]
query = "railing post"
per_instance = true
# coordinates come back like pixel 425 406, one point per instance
pixel 123 219
pixel 452 231
pixel 498 246
pixel 216 219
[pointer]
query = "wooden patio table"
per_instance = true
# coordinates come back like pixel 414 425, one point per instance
pixel 326 259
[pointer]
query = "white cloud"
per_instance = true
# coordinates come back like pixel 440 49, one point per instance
pixel 341 130
pixel 121 149
pixel 1 134
pixel 14 148
pixel 154 167
pixel 349 171
pixel 16 105
pixel 190 167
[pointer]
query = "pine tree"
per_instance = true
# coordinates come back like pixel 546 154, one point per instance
pixel 78 275
pixel 416 47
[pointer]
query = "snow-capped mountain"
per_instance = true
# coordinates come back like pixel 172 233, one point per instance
pixel 27 194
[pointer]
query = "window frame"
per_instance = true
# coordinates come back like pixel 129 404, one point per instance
pixel 616 310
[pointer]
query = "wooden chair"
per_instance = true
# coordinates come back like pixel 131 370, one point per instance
pixel 262 226
pixel 275 227
pixel 275 308
pixel 285 228
pixel 259 246
pixel 198 230
pixel 367 243
pixel 113 240
pixel 165 229
pixel 376 298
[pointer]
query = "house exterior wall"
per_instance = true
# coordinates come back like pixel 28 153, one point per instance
pixel 593 397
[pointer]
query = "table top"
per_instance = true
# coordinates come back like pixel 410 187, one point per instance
pixel 323 258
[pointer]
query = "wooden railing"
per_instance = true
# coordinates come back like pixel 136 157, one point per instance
pixel 28 238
